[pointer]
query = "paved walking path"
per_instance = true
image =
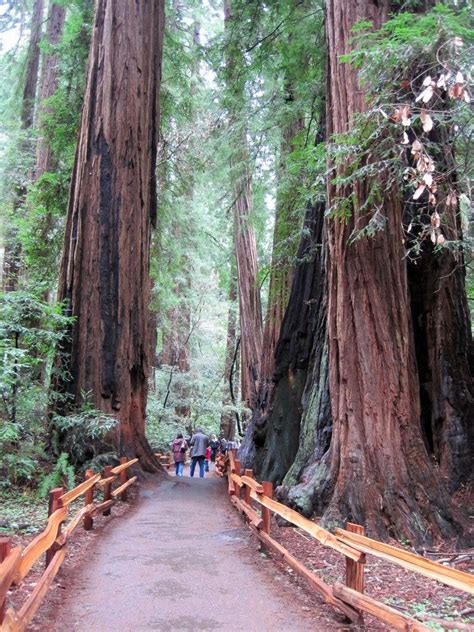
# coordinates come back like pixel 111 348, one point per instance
pixel 182 559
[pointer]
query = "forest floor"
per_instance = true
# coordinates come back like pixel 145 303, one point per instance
pixel 182 559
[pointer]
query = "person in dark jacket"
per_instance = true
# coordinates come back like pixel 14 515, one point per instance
pixel 179 446
pixel 215 444
pixel 199 443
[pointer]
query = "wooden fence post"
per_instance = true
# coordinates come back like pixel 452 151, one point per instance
pixel 355 570
pixel 123 479
pixel 88 500
pixel 54 504
pixel 248 473
pixel 107 488
pixel 5 545
pixel 266 513
pixel 237 471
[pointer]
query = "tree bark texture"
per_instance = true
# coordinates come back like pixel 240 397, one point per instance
pixel 443 344
pixel 104 276
pixel 49 82
pixel 12 256
pixel 32 66
pixel 250 309
pixel 440 314
pixel 228 419
pixel 175 352
pixel 297 429
pixel 379 471
pixel 281 275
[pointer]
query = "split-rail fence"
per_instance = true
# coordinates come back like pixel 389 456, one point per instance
pixel 16 563
pixel 255 501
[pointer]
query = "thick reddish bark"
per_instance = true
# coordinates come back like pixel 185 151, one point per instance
pixel 12 255
pixel 380 473
pixel 104 276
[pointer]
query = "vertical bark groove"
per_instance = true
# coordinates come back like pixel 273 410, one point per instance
pixel 104 275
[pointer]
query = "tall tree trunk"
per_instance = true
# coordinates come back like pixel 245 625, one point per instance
pixel 104 276
pixel 250 309
pixel 282 270
pixel 443 346
pixel 49 82
pixel 228 419
pixel 440 315
pixel 175 352
pixel 12 255
pixel 298 426
pixel 379 471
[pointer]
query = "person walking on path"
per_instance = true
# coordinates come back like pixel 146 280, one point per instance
pixel 179 446
pixel 199 443
pixel 215 444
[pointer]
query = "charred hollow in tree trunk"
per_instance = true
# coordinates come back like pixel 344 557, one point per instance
pixel 104 276
pixel 281 276
pixel 440 314
pixel 298 424
pixel 378 471
pixel 443 346
pixel 12 256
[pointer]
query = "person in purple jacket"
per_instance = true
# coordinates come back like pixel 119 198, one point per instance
pixel 179 446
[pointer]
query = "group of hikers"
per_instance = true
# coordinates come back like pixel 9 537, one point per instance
pixel 203 450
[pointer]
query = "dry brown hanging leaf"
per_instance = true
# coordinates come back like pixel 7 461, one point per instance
pixel 428 179
pixel 416 146
pixel 405 114
pixel 405 140
pixel 440 240
pixel 451 199
pixel 419 191
pixel 435 220
pixel 426 120
pixel 426 95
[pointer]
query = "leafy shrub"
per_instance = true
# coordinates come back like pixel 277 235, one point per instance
pixel 82 435
pixel 62 470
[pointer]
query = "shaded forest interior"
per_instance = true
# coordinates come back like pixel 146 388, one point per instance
pixel 250 217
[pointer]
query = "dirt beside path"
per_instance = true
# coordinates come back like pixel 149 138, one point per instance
pixel 181 560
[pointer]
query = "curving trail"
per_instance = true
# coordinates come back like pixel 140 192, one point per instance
pixel 181 560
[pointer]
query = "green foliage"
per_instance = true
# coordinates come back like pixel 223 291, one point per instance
pixel 82 435
pixel 30 329
pixel 62 471
pixel 417 114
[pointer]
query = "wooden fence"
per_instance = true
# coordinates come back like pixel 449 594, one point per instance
pixel 16 563
pixel 351 542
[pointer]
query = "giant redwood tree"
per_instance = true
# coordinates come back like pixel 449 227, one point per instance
pixel 104 277
pixel 379 469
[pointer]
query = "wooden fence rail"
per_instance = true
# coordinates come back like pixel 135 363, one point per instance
pixel 350 542
pixel 15 564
